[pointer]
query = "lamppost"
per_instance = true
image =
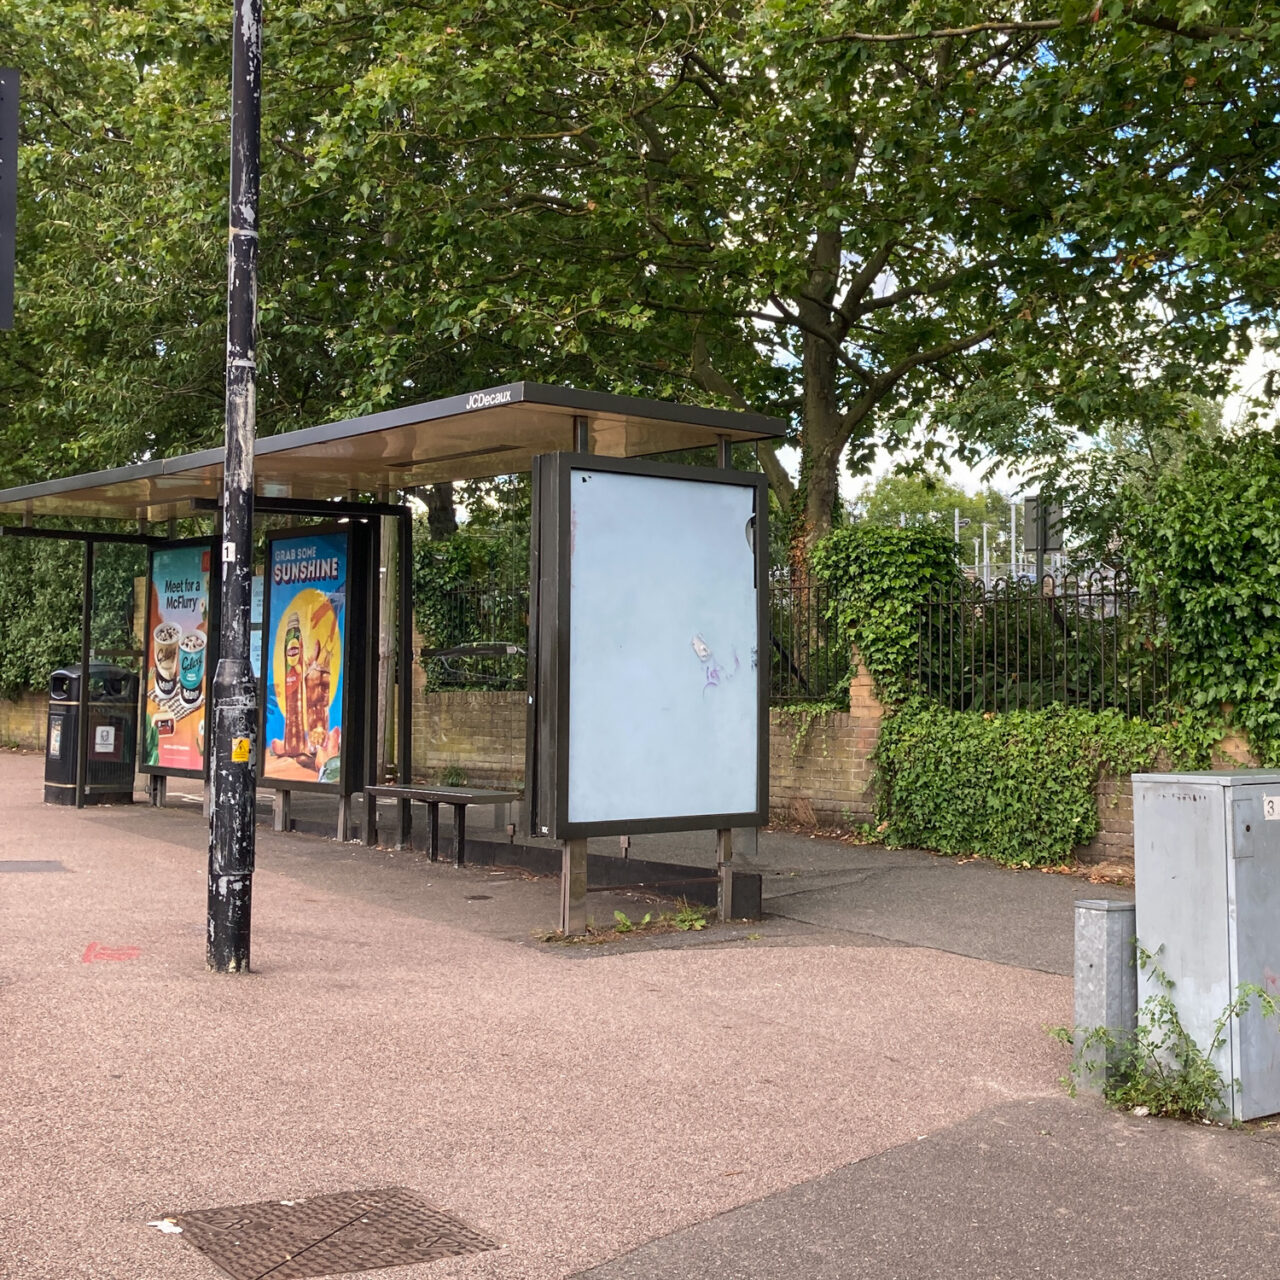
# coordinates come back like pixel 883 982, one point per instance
pixel 231 833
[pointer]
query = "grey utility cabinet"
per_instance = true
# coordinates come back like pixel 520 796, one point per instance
pixel 1207 884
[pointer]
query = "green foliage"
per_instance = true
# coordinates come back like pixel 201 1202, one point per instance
pixel 877 578
pixel 1019 788
pixel 624 924
pixel 469 588
pixel 41 589
pixel 927 497
pixel 771 206
pixel 1098 486
pixel 1160 1070
pixel 1205 544
pixel 689 916
pixel 40 594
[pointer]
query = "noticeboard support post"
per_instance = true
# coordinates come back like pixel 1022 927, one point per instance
pixel 573 855
pixel 724 870
pixel 724 836
pixel 573 887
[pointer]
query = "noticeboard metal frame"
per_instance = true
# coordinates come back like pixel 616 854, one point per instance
pixel 547 776
pixel 353 620
pixel 211 650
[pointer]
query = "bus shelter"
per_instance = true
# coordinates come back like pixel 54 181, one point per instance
pixel 335 600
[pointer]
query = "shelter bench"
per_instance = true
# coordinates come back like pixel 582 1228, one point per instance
pixel 433 798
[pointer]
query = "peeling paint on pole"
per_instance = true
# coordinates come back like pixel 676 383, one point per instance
pixel 231 814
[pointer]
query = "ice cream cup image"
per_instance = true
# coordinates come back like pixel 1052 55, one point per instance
pixel 165 640
pixel 191 666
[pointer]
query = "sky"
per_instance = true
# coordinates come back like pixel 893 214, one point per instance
pixel 1248 381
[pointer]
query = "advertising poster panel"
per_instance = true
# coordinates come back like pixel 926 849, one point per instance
pixel 303 650
pixel 177 660
pixel 255 628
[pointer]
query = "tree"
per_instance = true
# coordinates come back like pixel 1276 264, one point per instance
pixel 1002 225
pixel 1101 485
pixel 969 223
pixel 1203 540
pixel 928 498
pixel 118 351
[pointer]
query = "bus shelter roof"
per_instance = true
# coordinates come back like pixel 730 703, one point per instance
pixel 493 432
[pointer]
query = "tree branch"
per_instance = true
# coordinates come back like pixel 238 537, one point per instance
pixel 863 281
pixel 711 379
pixel 940 33
pixel 886 381
pixel 1142 17
pixel 926 290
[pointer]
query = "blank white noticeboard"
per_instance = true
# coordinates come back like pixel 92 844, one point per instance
pixel 664 633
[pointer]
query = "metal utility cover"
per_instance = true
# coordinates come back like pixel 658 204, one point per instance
pixel 327 1235
pixel 1207 878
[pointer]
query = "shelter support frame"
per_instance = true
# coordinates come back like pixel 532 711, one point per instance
pixel 88 538
pixel 157 783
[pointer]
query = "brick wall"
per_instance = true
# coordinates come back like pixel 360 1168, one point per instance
pixel 477 735
pixel 22 721
pixel 819 769
pixel 1114 842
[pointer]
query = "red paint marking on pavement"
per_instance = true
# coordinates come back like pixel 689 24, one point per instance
pixel 96 951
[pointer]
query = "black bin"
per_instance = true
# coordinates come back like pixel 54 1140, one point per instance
pixel 113 735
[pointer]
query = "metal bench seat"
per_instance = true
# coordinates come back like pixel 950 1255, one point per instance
pixel 433 797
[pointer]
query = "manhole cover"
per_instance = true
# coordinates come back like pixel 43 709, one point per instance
pixel 327 1235
pixel 32 864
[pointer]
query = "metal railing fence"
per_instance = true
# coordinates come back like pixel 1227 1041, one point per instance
pixel 1087 642
pixel 474 637
pixel 809 655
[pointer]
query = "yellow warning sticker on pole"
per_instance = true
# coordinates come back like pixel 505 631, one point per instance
pixel 239 750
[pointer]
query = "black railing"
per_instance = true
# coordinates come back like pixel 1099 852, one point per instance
pixel 474 637
pixel 809 655
pixel 1088 642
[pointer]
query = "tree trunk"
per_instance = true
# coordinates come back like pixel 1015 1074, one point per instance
pixel 442 519
pixel 821 448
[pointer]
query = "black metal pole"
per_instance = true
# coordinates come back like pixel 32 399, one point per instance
pixel 231 813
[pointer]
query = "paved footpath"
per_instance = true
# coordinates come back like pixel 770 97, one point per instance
pixel 800 1099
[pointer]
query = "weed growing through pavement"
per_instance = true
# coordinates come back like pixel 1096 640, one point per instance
pixel 623 923
pixel 687 916
pixel 1159 1069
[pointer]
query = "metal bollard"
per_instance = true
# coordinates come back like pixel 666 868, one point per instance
pixel 1106 984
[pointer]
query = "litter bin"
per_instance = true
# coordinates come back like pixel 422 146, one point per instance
pixel 113 735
